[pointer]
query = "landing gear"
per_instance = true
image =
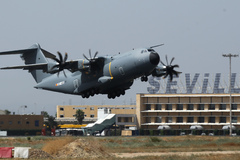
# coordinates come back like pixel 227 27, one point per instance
pixel 89 93
pixel 115 94
pixel 144 78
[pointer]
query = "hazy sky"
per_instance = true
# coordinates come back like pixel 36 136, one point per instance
pixel 196 33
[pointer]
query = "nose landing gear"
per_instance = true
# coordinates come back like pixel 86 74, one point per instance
pixel 144 78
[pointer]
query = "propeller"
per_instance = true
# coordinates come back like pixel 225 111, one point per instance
pixel 91 60
pixel 170 69
pixel 61 63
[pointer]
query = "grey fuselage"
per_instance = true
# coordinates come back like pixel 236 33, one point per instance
pixel 112 75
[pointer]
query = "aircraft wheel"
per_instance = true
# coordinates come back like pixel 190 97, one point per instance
pixel 87 94
pixel 83 96
pixel 123 92
pixel 109 96
pixel 144 78
pixel 118 93
pixel 113 95
pixel 92 92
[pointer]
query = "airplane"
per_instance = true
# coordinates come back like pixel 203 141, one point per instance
pixel 111 75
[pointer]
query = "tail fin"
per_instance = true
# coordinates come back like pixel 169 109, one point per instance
pixel 36 55
pixel 33 55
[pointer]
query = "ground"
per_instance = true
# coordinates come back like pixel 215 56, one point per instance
pixel 144 147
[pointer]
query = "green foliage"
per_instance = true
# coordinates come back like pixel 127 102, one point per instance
pixel 7 112
pixel 45 114
pixel 155 139
pixel 51 123
pixel 79 116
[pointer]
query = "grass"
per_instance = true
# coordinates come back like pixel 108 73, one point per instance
pixel 138 144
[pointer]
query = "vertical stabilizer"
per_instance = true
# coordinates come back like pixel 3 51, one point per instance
pixel 35 55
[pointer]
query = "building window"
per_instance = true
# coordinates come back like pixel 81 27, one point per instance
pixel 1 122
pixel 92 108
pixel 190 119
pixel 61 109
pixel 179 106
pixel 168 106
pixel 10 122
pixel 222 107
pixel 234 106
pixel 222 120
pixel 211 120
pixel 211 107
pixel 200 119
pixel 201 107
pixel 168 119
pixel 36 123
pixel 92 115
pixel 158 107
pixel 179 119
pixel 148 120
pixel 234 119
pixel 158 119
pixel 190 107
pixel 27 122
pixel 148 106
pixel 61 116
pixel 19 122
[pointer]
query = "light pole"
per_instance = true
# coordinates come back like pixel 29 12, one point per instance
pixel 230 87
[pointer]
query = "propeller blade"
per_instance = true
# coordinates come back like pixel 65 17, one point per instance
pixel 60 56
pixel 86 57
pixel 172 60
pixel 90 54
pixel 95 55
pixel 64 73
pixel 162 63
pixel 66 56
pixel 177 66
pixel 175 73
pixel 166 59
pixel 55 59
pixel 166 75
pixel 55 66
pixel 171 77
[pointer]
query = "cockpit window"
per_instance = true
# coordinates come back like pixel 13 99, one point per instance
pixel 151 50
pixel 143 51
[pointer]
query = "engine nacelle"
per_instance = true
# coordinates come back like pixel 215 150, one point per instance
pixel 83 65
pixel 159 71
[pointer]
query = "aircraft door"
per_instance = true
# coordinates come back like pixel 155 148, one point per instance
pixel 76 85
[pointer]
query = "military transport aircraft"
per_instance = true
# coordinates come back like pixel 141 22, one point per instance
pixel 110 75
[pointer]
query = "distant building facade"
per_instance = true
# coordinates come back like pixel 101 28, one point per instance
pixel 21 122
pixel 67 113
pixel 185 111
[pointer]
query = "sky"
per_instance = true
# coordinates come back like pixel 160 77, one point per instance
pixel 196 33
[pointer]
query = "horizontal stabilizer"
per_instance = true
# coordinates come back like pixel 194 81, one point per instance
pixel 29 50
pixel 28 67
pixel 18 51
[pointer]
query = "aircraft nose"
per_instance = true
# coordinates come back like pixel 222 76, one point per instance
pixel 154 58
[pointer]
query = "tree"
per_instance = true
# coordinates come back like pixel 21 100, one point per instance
pixel 79 116
pixel 45 114
pixel 51 123
pixel 7 112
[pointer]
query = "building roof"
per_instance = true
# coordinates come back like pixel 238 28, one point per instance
pixel 2 112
